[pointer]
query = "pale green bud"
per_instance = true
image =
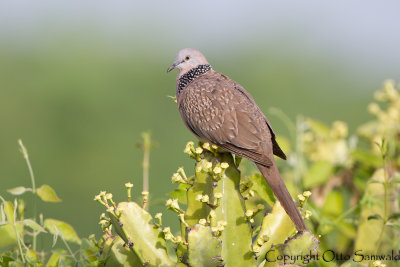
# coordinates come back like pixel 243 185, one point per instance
pixel 308 214
pixel 213 214
pixel 199 197
pixel 205 199
pixel 223 223
pixel 249 213
pixel 198 168
pixel 301 198
pixel 208 165
pixel 110 209
pixel 128 185
pixel 217 170
pixel 198 150
pixel 224 165
pixel 207 146
pixel 218 195
pixel 176 178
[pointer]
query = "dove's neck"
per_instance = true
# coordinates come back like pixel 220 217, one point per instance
pixel 187 77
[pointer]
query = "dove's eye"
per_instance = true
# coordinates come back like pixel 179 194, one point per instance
pixel 187 58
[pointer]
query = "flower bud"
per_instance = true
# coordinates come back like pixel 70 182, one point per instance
pixel 218 195
pixel 224 165
pixel 128 185
pixel 213 214
pixel 207 146
pixel 301 198
pixel 217 170
pixel 208 165
pixel 249 213
pixel 205 199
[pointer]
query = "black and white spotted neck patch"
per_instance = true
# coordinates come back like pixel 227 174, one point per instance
pixel 190 76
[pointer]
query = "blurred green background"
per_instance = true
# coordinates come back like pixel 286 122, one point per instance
pixel 80 81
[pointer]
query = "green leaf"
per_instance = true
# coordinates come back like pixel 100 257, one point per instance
pixel 33 225
pixel 236 237
pixel 318 174
pixel 366 158
pixel 47 194
pixel 334 203
pixel 9 211
pixel 202 185
pixel 136 227
pixel 53 260
pixel 32 257
pixel 262 189
pixel 204 248
pixel 371 181
pixel 117 254
pixel 7 236
pixel 352 263
pixel 5 260
pixel 396 180
pixel 275 229
pixel 18 190
pixel 8 231
pixel 368 230
pixel 180 193
pixel 394 216
pixel 375 217
pixel 302 243
pixel 63 229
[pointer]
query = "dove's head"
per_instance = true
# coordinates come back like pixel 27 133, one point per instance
pixel 187 59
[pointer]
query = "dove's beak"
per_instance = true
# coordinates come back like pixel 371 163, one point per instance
pixel 173 66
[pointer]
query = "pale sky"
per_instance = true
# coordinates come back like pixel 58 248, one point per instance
pixel 361 32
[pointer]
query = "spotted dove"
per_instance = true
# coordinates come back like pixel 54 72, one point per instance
pixel 220 111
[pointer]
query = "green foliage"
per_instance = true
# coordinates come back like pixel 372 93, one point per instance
pixel 19 235
pixel 204 249
pixel 227 217
pixel 218 227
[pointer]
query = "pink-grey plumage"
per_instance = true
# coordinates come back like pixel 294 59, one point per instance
pixel 220 111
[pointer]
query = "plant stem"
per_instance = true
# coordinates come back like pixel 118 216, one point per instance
pixel 16 232
pixel 146 145
pixel 69 249
pixel 24 152
pixel 385 195
pixel 344 215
